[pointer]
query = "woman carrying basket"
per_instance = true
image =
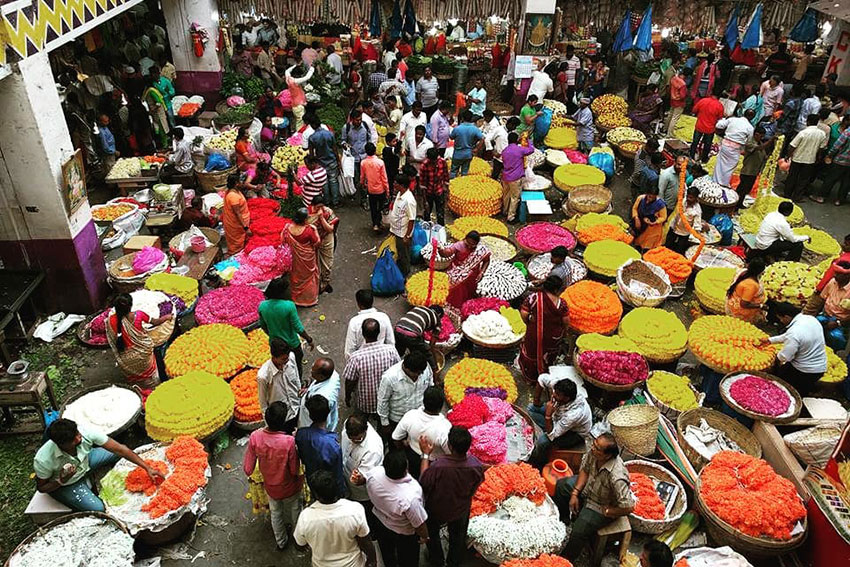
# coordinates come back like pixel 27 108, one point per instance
pixel 132 344
pixel 470 259
pixel 547 317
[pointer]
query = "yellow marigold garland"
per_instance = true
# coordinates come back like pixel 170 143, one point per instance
pixel 417 288
pixel 475 195
pixel 574 174
pixel 259 351
pixel 217 348
pixel 672 389
pixel 184 287
pixel 793 282
pixel 606 256
pixel 659 335
pixel 711 285
pixel 836 370
pixel 561 138
pixel 728 344
pixel 478 373
pixel 195 404
pixel 614 343
pixel 820 242
pixel 484 225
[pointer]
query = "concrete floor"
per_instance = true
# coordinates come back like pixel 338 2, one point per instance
pixel 229 534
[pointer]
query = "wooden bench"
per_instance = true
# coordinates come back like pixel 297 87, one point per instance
pixel 43 508
pixel 618 530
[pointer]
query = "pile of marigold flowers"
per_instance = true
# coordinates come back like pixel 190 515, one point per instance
pixel 648 504
pixel 258 348
pixel 747 494
pixel 711 285
pixel 728 344
pixel 475 195
pixel 195 405
pixel 189 460
pixel 544 560
pixel 138 480
pixel 477 166
pixel 672 389
pixel 594 307
pixel 589 220
pixel 677 267
pixel 574 174
pixel 609 103
pixel 484 225
pixel 659 335
pixel 246 399
pixel 599 232
pixel 184 287
pixel 561 137
pixel 836 369
pixel 417 288
pixel 219 349
pixel 502 481
pixel 477 373
pixel 595 341
pixel 793 282
pixel 606 256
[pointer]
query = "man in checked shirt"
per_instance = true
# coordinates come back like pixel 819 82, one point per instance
pixel 362 374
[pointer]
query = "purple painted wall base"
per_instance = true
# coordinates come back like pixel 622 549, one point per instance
pixel 204 83
pixel 75 269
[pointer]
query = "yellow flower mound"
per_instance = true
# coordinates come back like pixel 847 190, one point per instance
pixel 751 219
pixel 195 404
pixel 484 225
pixel 475 195
pixel 609 103
pixel 614 343
pixel 673 390
pixel 477 373
pixel 417 288
pixel 561 138
pixel 259 350
pixel 658 334
pixel 287 156
pixel 217 348
pixel 793 282
pixel 821 242
pixel 184 287
pixel 710 286
pixel 574 174
pixel 728 344
pixel 476 167
pixel 609 120
pixel 623 134
pixel 606 256
pixel 836 369
pixel 514 318
pixel 684 129
pixel 590 220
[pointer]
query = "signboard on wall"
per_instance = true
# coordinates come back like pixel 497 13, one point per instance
pixel 839 59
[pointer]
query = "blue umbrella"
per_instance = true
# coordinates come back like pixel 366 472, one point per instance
pixel 752 37
pixel 409 19
pixel 395 21
pixel 806 30
pixel 731 35
pixel 623 39
pixel 375 19
pixel 643 38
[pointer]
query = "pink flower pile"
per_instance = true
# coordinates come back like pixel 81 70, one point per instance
pixel 760 396
pixel 295 139
pixel 147 259
pixel 97 329
pixel 543 236
pixel 576 156
pixel 234 305
pixel 620 368
pixel 499 410
pixel 262 264
pixel 447 329
pixel 480 305
pixel 490 443
pixel 235 100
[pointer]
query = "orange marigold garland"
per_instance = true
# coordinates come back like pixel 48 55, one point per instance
pixel 502 481
pixel 258 351
pixel 677 266
pixel 594 307
pixel 138 480
pixel 648 503
pixel 544 560
pixel 747 494
pixel 604 232
pixel 246 397
pixel 190 464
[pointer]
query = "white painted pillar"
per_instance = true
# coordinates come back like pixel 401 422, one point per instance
pixel 195 75
pixel 36 229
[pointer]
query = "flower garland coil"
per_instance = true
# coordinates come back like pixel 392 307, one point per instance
pixel 196 405
pixel 659 335
pixel 475 195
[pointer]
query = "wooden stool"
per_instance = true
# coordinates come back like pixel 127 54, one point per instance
pixel 571 456
pixel 618 530
pixel 27 393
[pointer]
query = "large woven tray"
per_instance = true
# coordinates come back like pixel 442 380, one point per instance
pixel 795 398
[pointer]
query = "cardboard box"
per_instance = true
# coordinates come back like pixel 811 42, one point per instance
pixel 138 242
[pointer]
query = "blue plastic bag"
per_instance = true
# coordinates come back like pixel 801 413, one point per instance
pixel 723 224
pixel 387 279
pixel 542 125
pixel 603 162
pixel 217 162
pixel 418 241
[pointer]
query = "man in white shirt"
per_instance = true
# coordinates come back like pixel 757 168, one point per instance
pixel 305 135
pixel 354 336
pixel 427 422
pixel 363 450
pixel 427 91
pixel 541 82
pixel 335 62
pixel 739 131
pixel 402 387
pixel 367 109
pixel 495 140
pixel 402 218
pixel 409 122
pixel 776 237
pixel 566 419
pixel 278 380
pixel 809 105
pixel 417 146
pixel 326 383
pixel 335 528
pixel 803 354
pixel 803 153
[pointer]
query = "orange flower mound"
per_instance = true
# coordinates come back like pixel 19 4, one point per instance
pixel 245 395
pixel 747 494
pixel 502 481
pixel 190 464
pixel 139 481
pixel 604 232
pixel 594 307
pixel 544 560
pixel 648 504
pixel 677 266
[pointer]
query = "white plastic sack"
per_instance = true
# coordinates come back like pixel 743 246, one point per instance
pixel 130 224
pixel 186 238
pixel 347 164
pixel 713 557
pixel 814 445
pixel 114 241
pixel 346 186
pixel 211 201
pixel 55 325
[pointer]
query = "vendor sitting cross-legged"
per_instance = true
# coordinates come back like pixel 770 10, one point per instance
pixel 566 419
pixel 597 495
pixel 832 306
pixel 63 462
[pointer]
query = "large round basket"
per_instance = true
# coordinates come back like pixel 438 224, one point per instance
pixel 605 385
pixel 751 547
pixel 712 257
pixel 130 421
pixel 635 427
pixel 440 264
pixel 248 425
pixel 454 340
pixel 495 242
pixel 212 181
pixel 126 215
pixel 795 398
pixel 127 284
pixel 58 522
pixel 716 420
pixel 656 472
pixel 83 332
pixel 648 275
pixel 212 235
pixel 667 411
pixel 624 153
pixel 494 346
pixel 589 199
pixel 162 332
pixel 501 108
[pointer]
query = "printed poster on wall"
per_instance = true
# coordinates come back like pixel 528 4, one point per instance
pixel 537 34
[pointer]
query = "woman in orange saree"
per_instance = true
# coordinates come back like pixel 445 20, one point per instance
pixel 303 239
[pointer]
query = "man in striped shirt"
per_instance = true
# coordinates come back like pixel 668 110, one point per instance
pixel 313 182
pixel 410 330
pixel 362 374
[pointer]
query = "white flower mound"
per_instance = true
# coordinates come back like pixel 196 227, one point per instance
pixel 104 410
pixel 89 542
pixel 489 327
pixel 502 280
pixel 519 529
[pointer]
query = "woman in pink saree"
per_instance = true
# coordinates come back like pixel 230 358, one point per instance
pixel 303 239
pixel 470 260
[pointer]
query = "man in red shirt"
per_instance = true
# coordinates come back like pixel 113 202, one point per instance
pixel 708 111
pixel 434 179
pixel 678 94
pixel 845 257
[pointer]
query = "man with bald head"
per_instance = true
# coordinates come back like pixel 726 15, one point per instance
pixel 324 381
pixel 362 374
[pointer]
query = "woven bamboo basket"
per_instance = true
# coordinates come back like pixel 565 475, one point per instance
pixel 440 264
pixel 657 472
pixel 83 332
pixel 795 398
pixel 494 346
pixel 501 108
pixel 635 427
pixel 589 199
pixel 127 284
pixel 212 181
pixel 751 547
pixel 647 274
pixel 212 235
pixel 667 411
pixel 730 427
pixel 604 385
pixel 248 425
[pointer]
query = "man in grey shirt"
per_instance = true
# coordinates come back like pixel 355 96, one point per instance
pixel 668 182
pixel 335 61
pixel 427 91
